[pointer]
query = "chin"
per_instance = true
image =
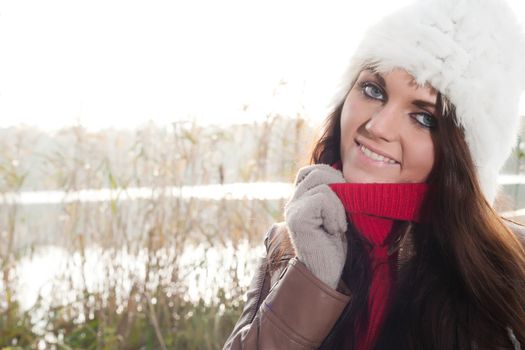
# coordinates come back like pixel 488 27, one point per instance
pixel 359 177
pixel 368 178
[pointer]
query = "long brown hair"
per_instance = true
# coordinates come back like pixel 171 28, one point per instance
pixel 465 284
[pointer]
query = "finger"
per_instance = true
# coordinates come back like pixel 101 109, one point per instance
pixel 305 171
pixel 320 175
pixel 331 210
pixel 319 207
pixel 303 214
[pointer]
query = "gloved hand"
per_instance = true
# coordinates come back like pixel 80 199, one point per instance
pixel 316 220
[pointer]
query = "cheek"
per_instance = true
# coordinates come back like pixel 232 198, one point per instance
pixel 349 122
pixel 346 127
pixel 422 159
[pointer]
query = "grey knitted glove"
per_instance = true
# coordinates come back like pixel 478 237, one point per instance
pixel 316 220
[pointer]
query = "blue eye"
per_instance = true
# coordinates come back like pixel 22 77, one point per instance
pixel 425 120
pixel 372 91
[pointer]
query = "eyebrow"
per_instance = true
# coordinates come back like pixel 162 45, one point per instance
pixel 417 103
pixel 423 104
pixel 380 79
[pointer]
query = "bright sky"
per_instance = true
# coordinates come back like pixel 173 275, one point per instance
pixel 121 63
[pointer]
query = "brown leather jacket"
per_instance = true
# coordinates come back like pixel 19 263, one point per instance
pixel 288 307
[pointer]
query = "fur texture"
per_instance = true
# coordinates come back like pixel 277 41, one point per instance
pixel 473 52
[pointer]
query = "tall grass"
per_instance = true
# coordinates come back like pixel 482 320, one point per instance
pixel 141 298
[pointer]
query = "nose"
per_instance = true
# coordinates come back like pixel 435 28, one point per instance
pixel 385 123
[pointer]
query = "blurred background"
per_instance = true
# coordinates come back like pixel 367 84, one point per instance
pixel 145 150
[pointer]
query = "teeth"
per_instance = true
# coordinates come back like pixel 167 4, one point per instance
pixel 375 156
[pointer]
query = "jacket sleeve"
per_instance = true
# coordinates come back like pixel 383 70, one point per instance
pixel 297 312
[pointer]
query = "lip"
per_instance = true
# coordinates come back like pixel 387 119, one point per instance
pixel 360 143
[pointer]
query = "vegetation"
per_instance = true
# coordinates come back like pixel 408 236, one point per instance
pixel 136 274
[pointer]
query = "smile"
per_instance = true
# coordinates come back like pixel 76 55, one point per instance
pixel 376 157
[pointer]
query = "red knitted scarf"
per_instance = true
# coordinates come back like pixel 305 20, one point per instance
pixel 373 209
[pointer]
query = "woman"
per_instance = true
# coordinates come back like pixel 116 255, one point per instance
pixel 390 240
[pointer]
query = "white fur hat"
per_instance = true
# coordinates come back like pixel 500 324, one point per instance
pixel 473 52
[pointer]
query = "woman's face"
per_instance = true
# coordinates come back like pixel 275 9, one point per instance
pixel 386 126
